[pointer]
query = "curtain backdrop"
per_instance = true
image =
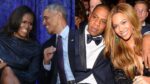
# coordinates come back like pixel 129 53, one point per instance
pixel 7 6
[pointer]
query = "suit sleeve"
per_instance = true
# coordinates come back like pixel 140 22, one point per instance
pixel 46 76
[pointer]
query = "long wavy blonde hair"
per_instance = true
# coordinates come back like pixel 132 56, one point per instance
pixel 121 55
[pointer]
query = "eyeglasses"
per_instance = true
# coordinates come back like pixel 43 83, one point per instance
pixel 141 11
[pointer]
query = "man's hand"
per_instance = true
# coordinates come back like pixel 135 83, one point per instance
pixel 2 64
pixel 146 50
pixel 48 54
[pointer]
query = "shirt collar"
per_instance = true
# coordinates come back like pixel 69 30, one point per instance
pixel 86 31
pixel 144 24
pixel 64 32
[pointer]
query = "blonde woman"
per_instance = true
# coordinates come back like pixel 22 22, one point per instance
pixel 123 42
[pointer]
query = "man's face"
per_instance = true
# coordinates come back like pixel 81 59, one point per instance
pixel 97 21
pixel 141 11
pixel 93 4
pixel 86 5
pixel 50 20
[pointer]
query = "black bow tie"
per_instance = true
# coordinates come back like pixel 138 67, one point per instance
pixel 97 40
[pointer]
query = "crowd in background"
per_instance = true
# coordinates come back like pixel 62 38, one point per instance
pixel 82 8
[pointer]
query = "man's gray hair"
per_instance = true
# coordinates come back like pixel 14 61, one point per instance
pixel 59 8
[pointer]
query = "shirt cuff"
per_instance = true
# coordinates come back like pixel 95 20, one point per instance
pixel 47 66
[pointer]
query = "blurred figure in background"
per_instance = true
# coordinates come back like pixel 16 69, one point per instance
pixel 86 4
pixel 93 4
pixel 80 14
pixel 141 8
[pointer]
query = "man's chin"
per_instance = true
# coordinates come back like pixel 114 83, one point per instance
pixel 50 32
pixel 93 34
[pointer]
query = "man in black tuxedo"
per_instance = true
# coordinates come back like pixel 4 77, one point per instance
pixel 54 18
pixel 91 65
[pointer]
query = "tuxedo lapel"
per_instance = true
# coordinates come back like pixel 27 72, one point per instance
pixel 71 48
pixel 100 59
pixel 82 49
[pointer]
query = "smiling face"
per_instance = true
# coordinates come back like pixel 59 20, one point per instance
pixel 25 27
pixel 122 26
pixel 97 21
pixel 50 20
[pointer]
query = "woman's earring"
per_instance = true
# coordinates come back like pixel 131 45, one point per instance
pixel 117 39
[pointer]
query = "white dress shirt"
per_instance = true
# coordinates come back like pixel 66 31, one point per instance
pixel 92 52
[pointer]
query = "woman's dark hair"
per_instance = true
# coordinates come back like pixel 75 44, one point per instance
pixel 80 10
pixel 15 19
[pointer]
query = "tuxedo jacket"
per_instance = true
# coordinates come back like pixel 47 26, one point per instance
pixel 50 77
pixel 101 70
pixel 145 28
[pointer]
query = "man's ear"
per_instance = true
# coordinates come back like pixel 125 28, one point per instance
pixel 59 14
pixel 147 14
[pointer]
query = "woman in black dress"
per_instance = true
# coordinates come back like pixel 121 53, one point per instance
pixel 19 51
pixel 123 42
